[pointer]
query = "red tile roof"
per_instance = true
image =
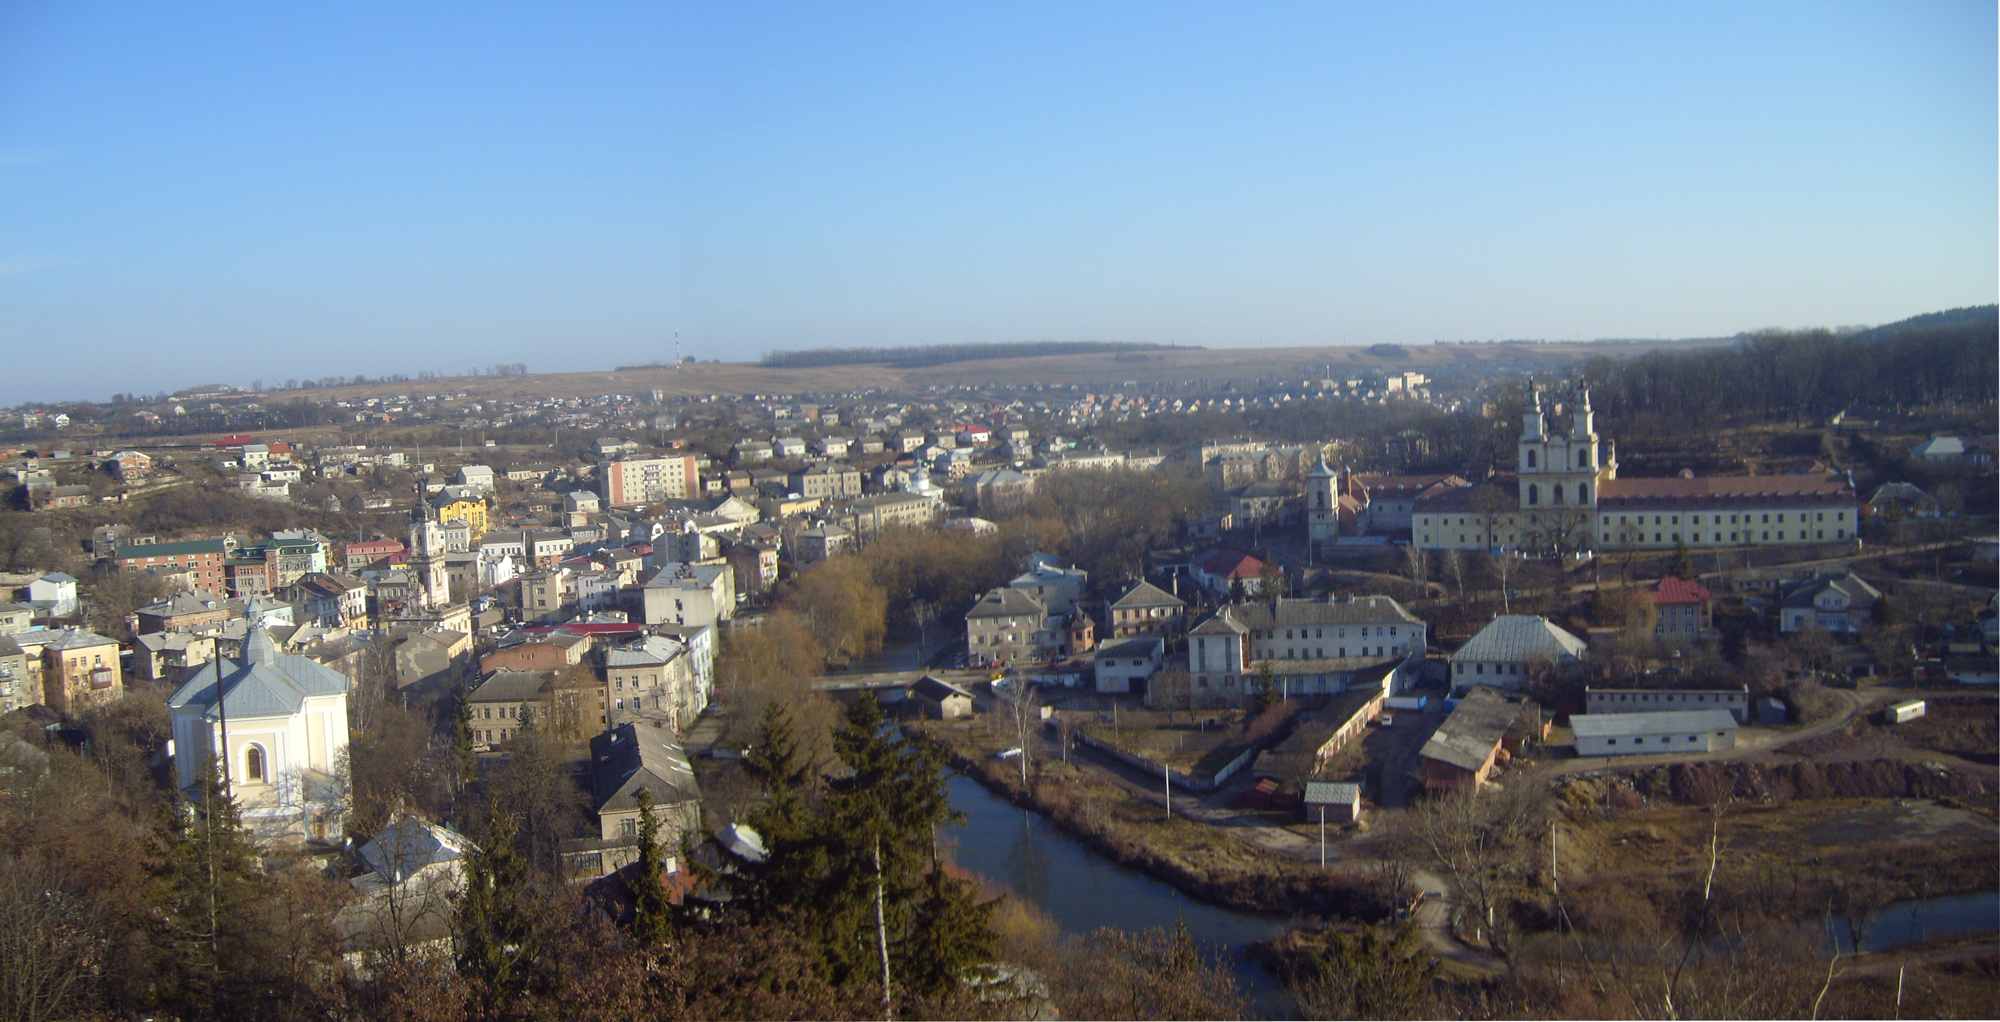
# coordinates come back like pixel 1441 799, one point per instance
pixel 1382 487
pixel 1233 564
pixel 1671 590
pixel 1707 492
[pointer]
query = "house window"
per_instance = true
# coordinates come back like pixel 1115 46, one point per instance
pixel 253 765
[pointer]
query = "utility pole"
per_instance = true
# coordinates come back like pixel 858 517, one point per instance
pixel 1168 773
pixel 1322 835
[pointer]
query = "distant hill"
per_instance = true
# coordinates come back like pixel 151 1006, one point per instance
pixel 917 356
pixel 1971 315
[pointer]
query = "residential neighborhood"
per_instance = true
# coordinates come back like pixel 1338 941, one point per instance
pixel 365 629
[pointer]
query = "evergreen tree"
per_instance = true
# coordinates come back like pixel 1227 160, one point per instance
pixel 651 923
pixel 462 742
pixel 779 767
pixel 1263 692
pixel 1683 566
pixel 857 880
pixel 783 820
pixel 950 933
pixel 882 872
pixel 497 923
pixel 207 879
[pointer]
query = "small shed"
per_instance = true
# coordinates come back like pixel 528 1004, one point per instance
pixel 1340 799
pixel 941 699
pixel 1771 710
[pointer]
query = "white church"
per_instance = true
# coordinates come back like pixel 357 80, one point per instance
pixel 275 727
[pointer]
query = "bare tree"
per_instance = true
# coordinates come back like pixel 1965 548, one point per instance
pixel 1505 565
pixel 1486 845
pixel 52 948
pixel 407 900
pixel 1024 710
pixel 1416 563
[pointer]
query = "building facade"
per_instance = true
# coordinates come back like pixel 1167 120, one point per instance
pixel 202 560
pixel 629 481
pixel 1569 499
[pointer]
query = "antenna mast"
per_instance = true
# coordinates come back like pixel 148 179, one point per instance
pixel 677 363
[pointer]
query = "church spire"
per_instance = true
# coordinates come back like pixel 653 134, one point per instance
pixel 422 511
pixel 1532 422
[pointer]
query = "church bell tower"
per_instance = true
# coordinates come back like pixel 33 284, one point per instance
pixel 427 553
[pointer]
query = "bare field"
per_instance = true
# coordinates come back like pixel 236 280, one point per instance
pixel 738 378
pixel 1788 859
pixel 1959 725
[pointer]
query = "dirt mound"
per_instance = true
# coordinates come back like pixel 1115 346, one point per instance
pixel 1707 783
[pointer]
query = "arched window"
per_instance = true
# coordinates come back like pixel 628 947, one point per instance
pixel 1556 494
pixel 1534 494
pixel 1583 458
pixel 253 764
pixel 1531 459
pixel 1583 493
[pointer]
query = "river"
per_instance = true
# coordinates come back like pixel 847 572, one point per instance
pixel 1083 891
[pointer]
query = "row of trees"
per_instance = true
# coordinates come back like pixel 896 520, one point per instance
pixel 915 356
pixel 1104 521
pixel 1779 376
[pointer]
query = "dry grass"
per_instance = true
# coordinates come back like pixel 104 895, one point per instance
pixel 737 378
pixel 1168 738
pixel 1786 861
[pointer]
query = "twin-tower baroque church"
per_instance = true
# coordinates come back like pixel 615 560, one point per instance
pixel 1567 498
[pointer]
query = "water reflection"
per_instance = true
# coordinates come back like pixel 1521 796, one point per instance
pixel 1027 862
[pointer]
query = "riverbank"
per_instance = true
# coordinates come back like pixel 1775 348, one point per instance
pixel 1191 857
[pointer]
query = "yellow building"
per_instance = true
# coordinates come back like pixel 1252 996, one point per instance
pixel 472 511
pixel 80 669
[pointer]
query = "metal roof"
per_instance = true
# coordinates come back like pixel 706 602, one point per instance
pixel 1468 737
pixel 1520 638
pixel 1332 793
pixel 1330 611
pixel 1621 725
pixel 1146 594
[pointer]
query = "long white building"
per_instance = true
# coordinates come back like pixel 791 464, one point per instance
pixel 1656 733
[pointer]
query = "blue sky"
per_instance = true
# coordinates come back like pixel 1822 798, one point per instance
pixel 194 193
